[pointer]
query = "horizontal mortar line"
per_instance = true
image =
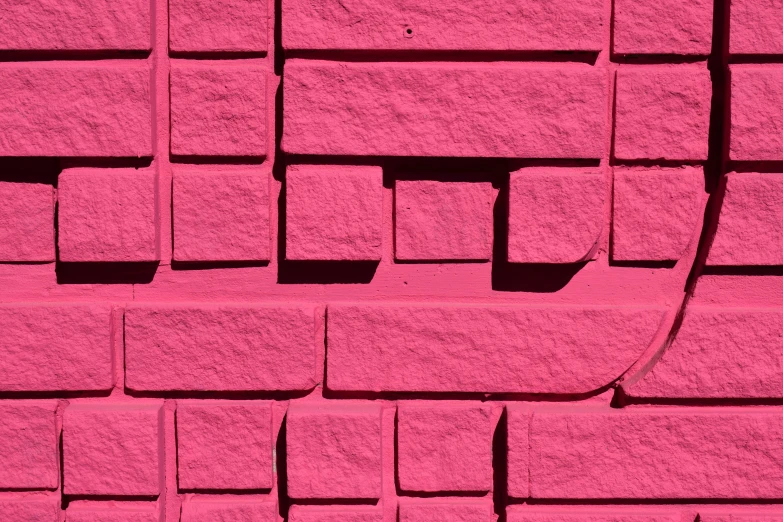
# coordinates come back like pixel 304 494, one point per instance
pixel 404 55
pixel 72 55
pixel 217 55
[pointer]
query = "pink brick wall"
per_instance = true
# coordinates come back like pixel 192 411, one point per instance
pixel 391 261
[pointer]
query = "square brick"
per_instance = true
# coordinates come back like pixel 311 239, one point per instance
pixel 335 514
pixel 444 448
pixel 333 213
pixel 217 25
pixel 26 222
pixel 224 445
pixel 662 113
pixel 218 109
pixel 334 451
pixel 655 211
pixel 235 510
pixel 221 216
pixel 112 449
pixel 113 512
pixel 28 445
pixel 107 215
pixel 663 26
pixel 756 27
pixel 756 109
pixel 444 510
pixel 442 220
pixel 555 215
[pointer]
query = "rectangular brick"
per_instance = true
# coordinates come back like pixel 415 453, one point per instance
pixel 756 27
pixel 662 27
pixel 113 512
pixel 222 347
pixel 55 347
pixel 26 222
pixel 518 452
pixel 445 510
pixel 516 25
pixel 475 348
pixel 78 25
pixel 30 509
pixel 28 445
pixel 218 25
pixel 230 510
pixel 444 109
pixel 756 108
pixel 760 514
pixel 75 109
pixel 335 514
pixel 594 514
pixel 665 453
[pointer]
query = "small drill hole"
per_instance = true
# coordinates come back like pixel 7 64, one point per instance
pixel 409 31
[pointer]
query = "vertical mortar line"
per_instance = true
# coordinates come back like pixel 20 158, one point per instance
pixel 604 61
pixel 161 115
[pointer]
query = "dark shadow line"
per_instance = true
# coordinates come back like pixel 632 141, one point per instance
pixel 217 55
pixel 275 395
pixel 413 55
pixel 217 160
pixel 45 55
pixel 109 273
pixel 214 265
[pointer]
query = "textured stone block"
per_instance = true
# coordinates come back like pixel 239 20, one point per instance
pixel 335 514
pixel 113 512
pixel 218 109
pixel 415 109
pixel 222 25
pixel 112 449
pixel 221 347
pixel 334 213
pixel 334 451
pixel 108 215
pixel 662 113
pixel 555 215
pixel 28 445
pixel 655 212
pixel 235 510
pixel 756 27
pixel 30 509
pixel 663 27
pixel 444 448
pixel 756 108
pixel 75 109
pixel 26 222
pixel 475 348
pixel 55 347
pixel 224 445
pixel 518 442
pixel 442 220
pixel 444 510
pixel 593 514
pixel 221 216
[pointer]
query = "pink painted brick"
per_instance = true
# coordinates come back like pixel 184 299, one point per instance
pixel 655 212
pixel 444 448
pixel 222 25
pixel 26 222
pixel 75 109
pixel 442 220
pixel 445 510
pixel 112 449
pixel 593 514
pixel 523 25
pixel 655 454
pixel 75 25
pixel 218 109
pixel 745 365
pixel 447 109
pixel 756 108
pixel 334 213
pixel 221 216
pixel 483 348
pixel 222 347
pixel 761 514
pixel 234 510
pixel 224 445
pixel 55 347
pixel 662 113
pixel 335 514
pixel 30 509
pixel 756 27
pixel 663 27
pixel 108 215
pixel 113 512
pixel 555 215
pixel 748 227
pixel 518 443
pixel 334 451
pixel 28 445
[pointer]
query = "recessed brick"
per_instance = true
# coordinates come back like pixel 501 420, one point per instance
pixel 756 108
pixel 26 222
pixel 28 445
pixel 663 27
pixel 213 26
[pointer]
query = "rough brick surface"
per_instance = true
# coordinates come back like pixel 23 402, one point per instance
pixel 335 514
pixel 56 109
pixel 221 216
pixel 112 450
pixel 334 452
pixel 30 509
pixel 333 213
pixel 26 222
pixel 756 108
pixel 554 215
pixel 590 514
pixel 107 215
pixel 28 454
pixel 442 220
pixel 225 25
pixel 224 445
pixel 537 25
pixel 663 27
pixel 55 347
pixel 756 27
pixel 228 511
pixel 518 458
pixel 444 510
pixel 444 448
pixel 401 109
pixel 218 109
pixel 654 212
pixel 662 113
pixel 220 347
pixel 116 512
